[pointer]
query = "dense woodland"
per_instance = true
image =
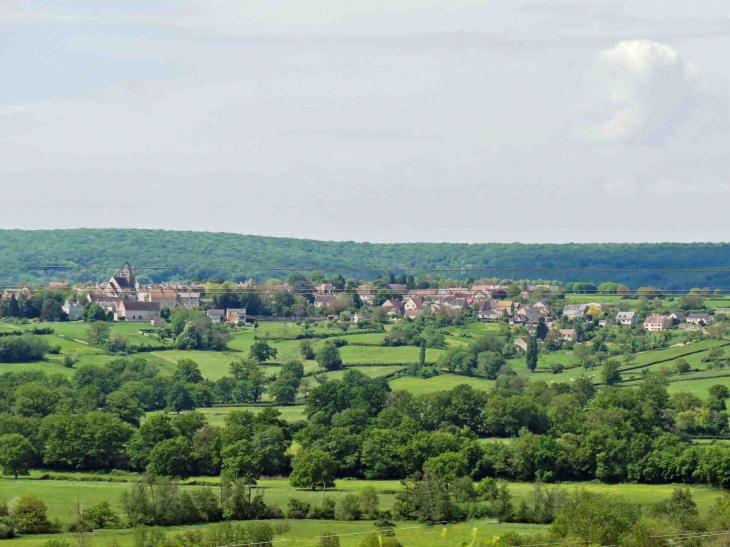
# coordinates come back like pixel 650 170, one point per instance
pixel 258 257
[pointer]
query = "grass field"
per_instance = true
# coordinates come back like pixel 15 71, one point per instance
pixel 59 495
pixel 587 298
pixel 217 414
pixel 359 355
pixel 372 372
pixel 305 533
pixel 442 382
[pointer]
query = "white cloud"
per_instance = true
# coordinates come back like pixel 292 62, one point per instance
pixel 646 90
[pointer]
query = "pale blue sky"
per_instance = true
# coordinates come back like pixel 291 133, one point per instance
pixel 391 120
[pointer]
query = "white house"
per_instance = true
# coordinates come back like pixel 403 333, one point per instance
pixel 130 310
pixel 627 318
pixel 73 309
pixel 322 300
pixel 217 316
pixel 700 319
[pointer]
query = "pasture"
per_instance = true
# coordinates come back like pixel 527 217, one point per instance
pixel 216 415
pixel 443 382
pixel 305 533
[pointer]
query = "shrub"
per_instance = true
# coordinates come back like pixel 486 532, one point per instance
pixel 31 514
pixel 6 532
pixel 324 512
pixel 349 508
pixel 297 509
pixel 101 516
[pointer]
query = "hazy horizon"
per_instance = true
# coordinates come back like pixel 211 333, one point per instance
pixel 400 121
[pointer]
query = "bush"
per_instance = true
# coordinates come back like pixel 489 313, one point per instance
pixel 55 350
pixel 101 516
pixel 6 532
pixel 349 508
pixel 297 509
pixel 324 512
pixel 31 514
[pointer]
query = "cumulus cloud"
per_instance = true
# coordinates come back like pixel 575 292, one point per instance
pixel 643 91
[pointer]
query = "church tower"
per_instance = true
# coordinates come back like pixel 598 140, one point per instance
pixel 129 273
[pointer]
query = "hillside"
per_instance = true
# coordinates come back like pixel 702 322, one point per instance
pixel 99 252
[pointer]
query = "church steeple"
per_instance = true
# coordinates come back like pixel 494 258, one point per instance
pixel 129 273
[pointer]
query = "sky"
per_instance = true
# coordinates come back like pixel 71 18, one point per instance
pixel 369 120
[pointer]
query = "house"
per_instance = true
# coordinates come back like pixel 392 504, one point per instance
pixel 73 309
pixel 486 313
pixel 399 288
pixel 58 285
pixel 366 295
pixel 521 343
pixel 236 315
pixel 677 317
pixel 325 288
pixel 412 314
pixel 568 335
pixel 158 322
pixel 130 310
pixel 507 307
pixel 357 317
pixel 542 308
pixel 392 307
pixel 657 323
pixel 575 311
pixel 323 300
pixel 627 318
pixel 188 300
pixel 249 283
pixel 107 303
pixel 413 304
pixel 700 319
pixel 166 298
pixel 217 316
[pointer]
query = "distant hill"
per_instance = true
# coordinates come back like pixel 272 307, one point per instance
pixel 99 252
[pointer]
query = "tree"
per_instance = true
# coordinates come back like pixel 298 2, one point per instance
pixel 261 351
pixel 306 349
pixel 171 458
pixel 241 460
pixel 532 353
pixel 312 469
pixel 422 354
pixel 52 311
pixel 179 398
pixel 31 514
pixel 16 454
pixel 93 312
pixel 681 365
pixel 541 330
pixel 187 371
pixel 329 357
pixel 13 307
pixel 610 372
pixel 98 333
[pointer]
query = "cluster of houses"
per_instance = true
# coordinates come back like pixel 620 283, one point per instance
pixel 653 323
pixel 127 300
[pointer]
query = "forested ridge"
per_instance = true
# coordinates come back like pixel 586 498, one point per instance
pixel 99 252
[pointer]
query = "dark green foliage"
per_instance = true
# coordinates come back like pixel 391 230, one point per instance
pixel 329 357
pixel 531 354
pixel 202 250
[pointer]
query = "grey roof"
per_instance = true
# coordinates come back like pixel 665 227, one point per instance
pixel 131 305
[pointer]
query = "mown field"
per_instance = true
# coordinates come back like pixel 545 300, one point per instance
pixel 60 495
pixel 306 533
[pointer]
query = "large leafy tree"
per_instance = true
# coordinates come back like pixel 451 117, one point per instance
pixel 313 469
pixel 329 357
pixel 16 455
